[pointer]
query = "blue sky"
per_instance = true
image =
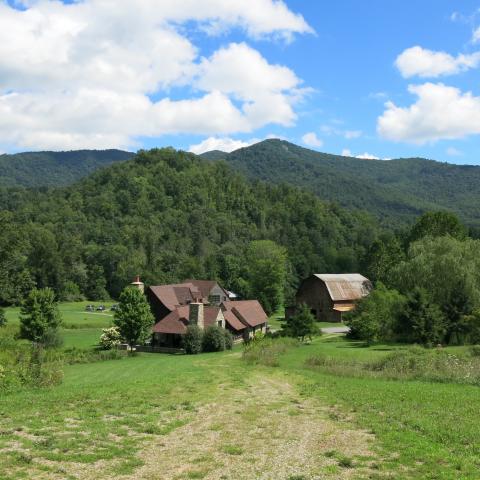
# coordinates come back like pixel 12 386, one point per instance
pixel 334 76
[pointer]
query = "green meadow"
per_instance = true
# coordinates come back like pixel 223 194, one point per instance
pixel 80 328
pixel 216 416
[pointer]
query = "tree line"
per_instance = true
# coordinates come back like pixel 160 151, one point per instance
pixel 169 215
pixel 427 286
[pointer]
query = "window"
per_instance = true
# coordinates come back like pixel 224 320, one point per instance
pixel 214 299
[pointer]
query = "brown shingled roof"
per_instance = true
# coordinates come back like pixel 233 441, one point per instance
pixel 248 312
pixel 233 321
pixel 172 323
pixel 178 320
pixel 178 294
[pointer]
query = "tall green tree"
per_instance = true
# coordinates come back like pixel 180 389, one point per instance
pixel 382 256
pixel 266 273
pixel 302 324
pixel 39 316
pixel 376 315
pixel 437 224
pixel 133 317
pixel 421 320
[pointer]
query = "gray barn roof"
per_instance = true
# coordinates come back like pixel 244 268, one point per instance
pixel 345 286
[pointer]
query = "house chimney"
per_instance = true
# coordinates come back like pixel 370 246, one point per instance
pixel 138 284
pixel 196 316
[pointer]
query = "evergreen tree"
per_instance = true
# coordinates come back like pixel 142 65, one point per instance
pixel 421 321
pixel 133 317
pixel 302 324
pixel 376 315
pixel 39 317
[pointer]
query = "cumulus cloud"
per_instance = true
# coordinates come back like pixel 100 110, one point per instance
pixel 440 112
pixel 312 140
pixel 225 144
pixel 476 35
pixel 328 129
pixel 418 61
pixel 94 74
pixel 453 152
pixel 365 156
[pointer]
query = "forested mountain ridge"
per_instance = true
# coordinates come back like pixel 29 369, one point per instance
pixel 53 169
pixel 168 216
pixel 395 191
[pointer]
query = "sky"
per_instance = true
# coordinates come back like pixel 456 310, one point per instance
pixel 371 79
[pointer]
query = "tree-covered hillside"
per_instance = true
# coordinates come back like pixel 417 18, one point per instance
pixel 395 191
pixel 50 169
pixel 168 216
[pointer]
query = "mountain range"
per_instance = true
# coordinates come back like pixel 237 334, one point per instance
pixel 54 169
pixel 394 191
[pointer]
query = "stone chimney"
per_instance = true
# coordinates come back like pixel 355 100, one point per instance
pixel 138 284
pixel 196 316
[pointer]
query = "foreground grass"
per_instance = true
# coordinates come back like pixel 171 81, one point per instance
pixel 431 429
pixel 215 416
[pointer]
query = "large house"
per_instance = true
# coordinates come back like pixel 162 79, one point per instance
pixel 329 296
pixel 200 302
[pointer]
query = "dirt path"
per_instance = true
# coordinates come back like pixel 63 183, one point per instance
pixel 260 430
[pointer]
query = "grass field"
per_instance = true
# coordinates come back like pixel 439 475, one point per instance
pixel 276 321
pixel 80 329
pixel 213 416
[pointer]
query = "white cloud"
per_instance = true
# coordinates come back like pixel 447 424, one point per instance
pixel 367 156
pixel 332 130
pixel 94 74
pixel 225 144
pixel 312 140
pixel 453 152
pixel 349 134
pixel 440 112
pixel 418 61
pixel 346 152
pixel 476 35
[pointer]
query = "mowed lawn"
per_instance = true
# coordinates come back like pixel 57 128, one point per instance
pixel 212 416
pixel 80 328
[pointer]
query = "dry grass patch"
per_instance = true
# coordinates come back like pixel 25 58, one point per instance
pixel 251 434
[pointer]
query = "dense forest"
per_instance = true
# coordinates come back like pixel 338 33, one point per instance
pixel 168 216
pixel 395 191
pixel 53 169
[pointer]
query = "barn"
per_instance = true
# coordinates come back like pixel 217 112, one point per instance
pixel 329 296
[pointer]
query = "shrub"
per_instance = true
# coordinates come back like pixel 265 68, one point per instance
pixel 76 355
pixel 52 339
pixel 414 363
pixel 213 339
pixel 475 350
pixel 266 351
pixel 110 338
pixel 3 317
pixel 192 340
pixel 228 339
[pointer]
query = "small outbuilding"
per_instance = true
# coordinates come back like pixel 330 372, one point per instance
pixel 329 295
